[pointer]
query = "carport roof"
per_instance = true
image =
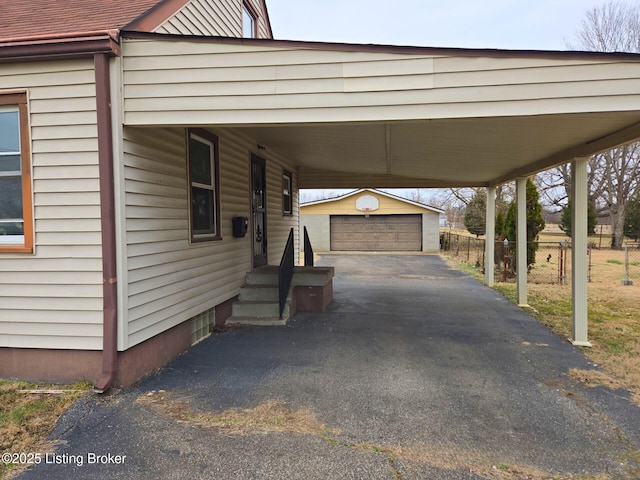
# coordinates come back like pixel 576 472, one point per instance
pixel 358 116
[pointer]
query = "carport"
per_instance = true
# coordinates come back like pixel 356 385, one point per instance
pixel 356 116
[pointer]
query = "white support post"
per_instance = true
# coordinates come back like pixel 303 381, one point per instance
pixel 579 260
pixel 521 246
pixel 490 237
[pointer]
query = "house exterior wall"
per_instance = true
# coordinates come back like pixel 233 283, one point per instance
pixel 53 298
pixel 294 83
pixel 168 279
pixel 212 17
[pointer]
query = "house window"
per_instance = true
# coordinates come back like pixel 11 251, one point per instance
pixel 204 186
pixel 249 21
pixel 287 194
pixel 16 225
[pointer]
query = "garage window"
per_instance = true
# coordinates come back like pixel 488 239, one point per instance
pixel 16 224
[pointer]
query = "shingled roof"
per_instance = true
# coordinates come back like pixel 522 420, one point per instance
pixel 27 18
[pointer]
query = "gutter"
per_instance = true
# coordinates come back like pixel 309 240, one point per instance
pixel 77 44
pixel 108 224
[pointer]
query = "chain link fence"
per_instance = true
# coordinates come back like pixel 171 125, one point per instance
pixel 552 265
pixel 631 263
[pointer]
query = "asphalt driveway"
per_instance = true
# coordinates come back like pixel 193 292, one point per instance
pixel 416 371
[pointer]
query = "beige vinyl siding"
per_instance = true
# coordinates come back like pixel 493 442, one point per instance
pixel 290 83
pixel 169 280
pixel 279 225
pixel 213 18
pixel 53 298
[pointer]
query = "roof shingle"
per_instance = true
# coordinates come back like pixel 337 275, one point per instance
pixel 27 18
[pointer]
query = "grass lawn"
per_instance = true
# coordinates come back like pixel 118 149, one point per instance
pixel 614 312
pixel 28 412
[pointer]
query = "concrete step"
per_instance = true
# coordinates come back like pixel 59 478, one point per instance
pixel 253 293
pixel 263 321
pixel 258 309
pixel 312 276
pixel 267 275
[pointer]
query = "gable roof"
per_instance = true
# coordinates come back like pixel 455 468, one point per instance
pixel 376 191
pixel 35 18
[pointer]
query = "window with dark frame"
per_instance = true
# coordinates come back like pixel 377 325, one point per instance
pixel 204 186
pixel 16 226
pixel 249 21
pixel 287 193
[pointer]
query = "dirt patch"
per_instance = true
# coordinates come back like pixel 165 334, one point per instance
pixel 271 416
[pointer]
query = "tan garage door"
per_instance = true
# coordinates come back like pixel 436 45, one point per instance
pixel 379 233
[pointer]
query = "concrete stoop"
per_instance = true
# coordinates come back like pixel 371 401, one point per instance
pixel 258 300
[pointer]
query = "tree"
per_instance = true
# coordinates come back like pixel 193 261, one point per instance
pixel 535 222
pixel 613 175
pixel 632 218
pixel 475 214
pixel 565 219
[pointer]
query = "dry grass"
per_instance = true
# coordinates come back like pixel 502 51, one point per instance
pixel 614 322
pixel 271 416
pixel 452 457
pixel 28 412
pixel 614 313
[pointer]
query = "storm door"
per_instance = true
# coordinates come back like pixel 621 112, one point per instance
pixel 259 210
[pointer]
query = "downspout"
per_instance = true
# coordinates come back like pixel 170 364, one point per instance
pixel 108 224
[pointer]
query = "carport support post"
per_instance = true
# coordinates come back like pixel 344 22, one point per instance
pixel 490 237
pixel 521 245
pixel 579 247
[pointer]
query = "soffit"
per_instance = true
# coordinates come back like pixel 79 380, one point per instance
pixel 449 152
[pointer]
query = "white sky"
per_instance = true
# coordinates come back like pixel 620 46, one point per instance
pixel 504 24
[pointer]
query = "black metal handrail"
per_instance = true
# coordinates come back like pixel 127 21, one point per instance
pixel 308 250
pixel 285 273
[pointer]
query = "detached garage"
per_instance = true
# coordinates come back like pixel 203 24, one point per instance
pixel 371 220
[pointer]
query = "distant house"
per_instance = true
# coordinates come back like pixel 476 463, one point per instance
pixel 371 220
pixel 140 138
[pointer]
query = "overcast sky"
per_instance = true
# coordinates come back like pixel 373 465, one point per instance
pixel 505 24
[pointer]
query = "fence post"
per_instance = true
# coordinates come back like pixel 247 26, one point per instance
pixel 627 280
pixel 505 259
pixel 562 267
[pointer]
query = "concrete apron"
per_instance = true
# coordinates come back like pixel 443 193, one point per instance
pixel 414 371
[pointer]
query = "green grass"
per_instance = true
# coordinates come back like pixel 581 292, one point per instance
pixel 26 418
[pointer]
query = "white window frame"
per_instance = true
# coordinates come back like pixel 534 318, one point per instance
pixel 249 16
pixel 206 138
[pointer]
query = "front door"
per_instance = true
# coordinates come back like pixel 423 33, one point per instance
pixel 259 210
